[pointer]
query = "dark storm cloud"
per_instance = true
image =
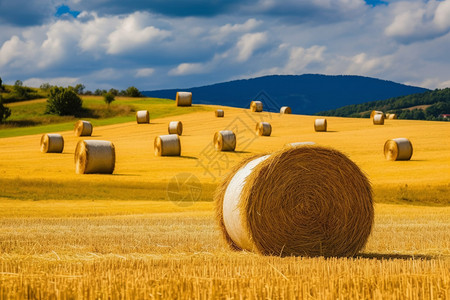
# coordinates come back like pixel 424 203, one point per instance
pixel 25 12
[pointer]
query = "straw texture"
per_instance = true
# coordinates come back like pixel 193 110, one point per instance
pixel 225 140
pixel 220 113
pixel 398 149
pixel 142 117
pixel 256 106
pixel 83 128
pixel 320 125
pixel 167 145
pixel 376 112
pixel 297 201
pixel 263 129
pixel 52 143
pixel 300 144
pixel 285 110
pixel 184 99
pixel 378 119
pixel 176 127
pixel 93 156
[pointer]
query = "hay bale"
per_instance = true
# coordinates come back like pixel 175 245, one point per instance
pixel 320 125
pixel 83 128
pixel 167 145
pixel 256 106
pixel 175 127
pixel 142 117
pixel 398 149
pixel 297 201
pixel 93 156
pixel 392 116
pixel 263 129
pixel 225 140
pixel 378 119
pixel 184 99
pixel 376 112
pixel 52 143
pixel 300 144
pixel 220 113
pixel 285 110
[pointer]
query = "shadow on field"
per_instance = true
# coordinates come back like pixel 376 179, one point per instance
pixel 381 256
pixel 241 152
pixel 188 157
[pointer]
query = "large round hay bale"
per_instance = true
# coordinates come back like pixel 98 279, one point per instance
pixel 300 144
pixel 184 99
pixel 220 113
pixel 93 156
pixel 52 143
pixel 167 145
pixel 225 140
pixel 175 127
pixel 378 119
pixel 83 128
pixel 256 106
pixel 142 117
pixel 392 116
pixel 263 129
pixel 398 149
pixel 285 110
pixel 376 112
pixel 320 125
pixel 297 201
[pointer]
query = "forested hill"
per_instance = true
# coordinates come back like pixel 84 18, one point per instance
pixel 424 106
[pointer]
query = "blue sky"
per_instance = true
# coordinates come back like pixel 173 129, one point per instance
pixel 177 43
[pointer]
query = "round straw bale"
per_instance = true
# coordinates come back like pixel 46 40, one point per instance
pixel 142 117
pixel 297 201
pixel 285 110
pixel 320 125
pixel 167 145
pixel 300 144
pixel 184 99
pixel 83 128
pixel 398 149
pixel 52 143
pixel 225 140
pixel 392 116
pixel 256 106
pixel 378 119
pixel 263 129
pixel 93 156
pixel 220 113
pixel 376 112
pixel 175 127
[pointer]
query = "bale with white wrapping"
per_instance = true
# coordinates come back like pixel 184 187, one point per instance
pixel 220 113
pixel 297 201
pixel 320 125
pixel 175 127
pixel 398 149
pixel 52 143
pixel 93 156
pixel 142 117
pixel 225 140
pixel 256 106
pixel 167 145
pixel 285 110
pixel 392 116
pixel 378 119
pixel 263 129
pixel 376 112
pixel 83 128
pixel 184 99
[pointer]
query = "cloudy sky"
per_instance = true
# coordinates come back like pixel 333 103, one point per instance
pixel 156 44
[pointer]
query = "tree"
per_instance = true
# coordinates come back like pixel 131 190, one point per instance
pixel 63 101
pixel 108 97
pixel 18 83
pixel 114 92
pixel 5 112
pixel 1 87
pixel 79 88
pixel 133 92
pixel 45 86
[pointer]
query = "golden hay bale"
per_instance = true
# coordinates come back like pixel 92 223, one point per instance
pixel 378 119
pixel 392 116
pixel 297 201
pixel 184 99
pixel 263 129
pixel 285 110
pixel 83 128
pixel 256 106
pixel 52 143
pixel 175 127
pixel 142 117
pixel 220 113
pixel 376 112
pixel 167 145
pixel 93 156
pixel 320 125
pixel 398 149
pixel 225 140
pixel 300 144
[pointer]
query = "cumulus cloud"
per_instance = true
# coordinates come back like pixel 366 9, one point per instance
pixel 144 72
pixel 249 43
pixel 188 68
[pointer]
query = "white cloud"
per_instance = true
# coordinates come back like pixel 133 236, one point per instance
pixel 59 81
pixel 187 69
pixel 144 72
pixel 249 43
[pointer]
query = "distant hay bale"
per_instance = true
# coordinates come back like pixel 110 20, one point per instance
pixel 52 143
pixel 83 128
pixel 167 145
pixel 398 149
pixel 392 116
pixel 263 129
pixel 93 156
pixel 320 125
pixel 256 106
pixel 300 144
pixel 285 110
pixel 225 140
pixel 376 112
pixel 142 117
pixel 175 127
pixel 220 113
pixel 297 201
pixel 378 119
pixel 184 99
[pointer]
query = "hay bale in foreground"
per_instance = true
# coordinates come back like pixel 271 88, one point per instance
pixel 376 112
pixel 320 125
pixel 220 113
pixel 52 143
pixel 83 128
pixel 167 145
pixel 398 149
pixel 378 119
pixel 176 127
pixel 263 129
pixel 225 140
pixel 93 156
pixel 285 110
pixel 256 106
pixel 297 201
pixel 142 117
pixel 184 99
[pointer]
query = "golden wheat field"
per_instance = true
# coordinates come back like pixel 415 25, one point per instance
pixel 148 231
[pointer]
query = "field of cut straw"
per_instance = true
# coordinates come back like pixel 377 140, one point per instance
pixel 148 231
